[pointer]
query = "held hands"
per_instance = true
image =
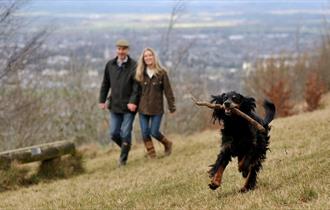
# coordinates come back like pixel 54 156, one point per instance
pixel 102 105
pixel 131 107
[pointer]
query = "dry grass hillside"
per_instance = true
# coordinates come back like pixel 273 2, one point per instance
pixel 296 175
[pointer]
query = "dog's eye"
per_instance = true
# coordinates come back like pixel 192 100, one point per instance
pixel 235 98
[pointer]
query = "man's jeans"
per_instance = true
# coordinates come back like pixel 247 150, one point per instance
pixel 121 127
pixel 150 125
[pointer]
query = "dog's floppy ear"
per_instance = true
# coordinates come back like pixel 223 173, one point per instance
pixel 248 104
pixel 218 114
pixel 219 99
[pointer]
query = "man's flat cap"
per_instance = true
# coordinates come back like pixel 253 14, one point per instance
pixel 122 43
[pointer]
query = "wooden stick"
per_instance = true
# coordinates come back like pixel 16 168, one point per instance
pixel 234 110
pixel 257 125
pixel 209 105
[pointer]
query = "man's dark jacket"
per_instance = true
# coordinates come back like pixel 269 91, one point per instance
pixel 120 80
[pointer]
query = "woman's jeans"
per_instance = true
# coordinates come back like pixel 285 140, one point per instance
pixel 121 125
pixel 150 125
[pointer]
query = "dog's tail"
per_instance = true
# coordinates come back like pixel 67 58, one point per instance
pixel 270 112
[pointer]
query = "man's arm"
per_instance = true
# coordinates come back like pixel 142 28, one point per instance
pixel 134 98
pixel 105 87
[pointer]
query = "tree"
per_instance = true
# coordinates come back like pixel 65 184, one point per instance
pixel 21 108
pixel 279 93
pixel 314 90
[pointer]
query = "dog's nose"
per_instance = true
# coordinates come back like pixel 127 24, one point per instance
pixel 227 104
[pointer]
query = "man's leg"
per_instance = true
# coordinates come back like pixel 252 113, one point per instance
pixel 126 136
pixel 115 124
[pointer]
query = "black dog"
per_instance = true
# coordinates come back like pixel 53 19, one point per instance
pixel 240 139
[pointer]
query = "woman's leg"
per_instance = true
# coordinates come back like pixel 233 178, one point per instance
pixel 144 125
pixel 145 130
pixel 155 125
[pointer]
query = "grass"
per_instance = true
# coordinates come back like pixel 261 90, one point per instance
pixel 296 175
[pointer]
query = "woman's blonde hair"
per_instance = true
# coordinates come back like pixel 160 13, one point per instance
pixel 141 65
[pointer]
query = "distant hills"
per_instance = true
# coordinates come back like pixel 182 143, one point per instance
pixel 164 6
pixel 120 14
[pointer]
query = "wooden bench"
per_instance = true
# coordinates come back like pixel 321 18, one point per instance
pixel 41 152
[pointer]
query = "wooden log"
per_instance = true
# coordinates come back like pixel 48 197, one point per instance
pixel 36 153
pixel 238 112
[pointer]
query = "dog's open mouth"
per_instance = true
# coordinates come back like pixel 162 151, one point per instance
pixel 227 111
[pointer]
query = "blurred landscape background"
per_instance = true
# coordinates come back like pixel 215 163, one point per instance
pixel 53 55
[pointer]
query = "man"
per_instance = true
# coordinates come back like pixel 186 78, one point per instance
pixel 122 102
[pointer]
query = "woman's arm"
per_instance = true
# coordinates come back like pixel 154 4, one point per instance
pixel 169 93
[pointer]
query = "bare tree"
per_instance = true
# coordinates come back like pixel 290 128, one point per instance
pixel 21 108
pixel 77 101
pixel 166 41
pixel 175 50
pixel 322 61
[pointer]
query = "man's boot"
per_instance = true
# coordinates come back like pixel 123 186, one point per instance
pixel 150 148
pixel 167 145
pixel 118 141
pixel 125 148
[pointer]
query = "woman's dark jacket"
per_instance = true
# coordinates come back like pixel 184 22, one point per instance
pixel 152 90
pixel 124 88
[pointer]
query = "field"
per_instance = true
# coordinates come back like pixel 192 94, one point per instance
pixel 296 175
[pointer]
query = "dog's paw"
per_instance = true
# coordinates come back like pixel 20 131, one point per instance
pixel 213 186
pixel 243 190
pixel 210 172
pixel 245 173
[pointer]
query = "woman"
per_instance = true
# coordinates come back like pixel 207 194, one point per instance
pixel 154 83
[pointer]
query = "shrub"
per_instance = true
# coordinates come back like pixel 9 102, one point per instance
pixel 314 89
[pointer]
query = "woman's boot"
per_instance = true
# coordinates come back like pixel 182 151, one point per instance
pixel 167 145
pixel 150 147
